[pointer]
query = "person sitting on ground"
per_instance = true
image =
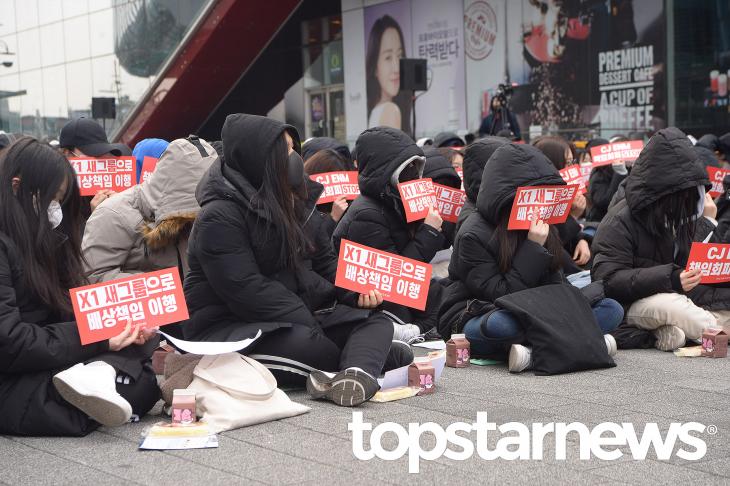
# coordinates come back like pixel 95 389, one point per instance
pixel 324 161
pixel 316 144
pixel 604 182
pixel 149 147
pixel 491 261
pixel 377 218
pixel 642 246
pixel 51 384
pixel 258 264
pixel 454 156
pixel 448 140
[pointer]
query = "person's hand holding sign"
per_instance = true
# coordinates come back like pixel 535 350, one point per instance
pixel 538 232
pixel 690 279
pixel 434 219
pixel 100 197
pixel 710 210
pixel 371 300
pixel 579 206
pixel 131 335
pixel 339 206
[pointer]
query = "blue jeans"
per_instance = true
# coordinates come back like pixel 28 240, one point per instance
pixel 492 336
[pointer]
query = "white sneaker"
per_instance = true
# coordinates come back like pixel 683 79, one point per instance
pixel 520 358
pixel 405 332
pixel 91 388
pixel 669 338
pixel 610 344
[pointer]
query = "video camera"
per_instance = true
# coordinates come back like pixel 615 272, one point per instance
pixel 504 92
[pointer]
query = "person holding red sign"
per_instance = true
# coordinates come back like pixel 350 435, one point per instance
pixel 259 261
pixel 723 212
pixel 439 169
pixel 604 182
pixel 50 384
pixel 328 160
pixel 377 219
pixel 490 261
pixel 641 248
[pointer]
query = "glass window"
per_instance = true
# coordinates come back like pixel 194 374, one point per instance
pixel 72 8
pixel 29 52
pixel 26 14
pixel 52 44
pixel 49 11
pixel 54 92
pixel 7 24
pixel 79 88
pixel 8 54
pixel 76 37
pixel 31 104
pixel 102 32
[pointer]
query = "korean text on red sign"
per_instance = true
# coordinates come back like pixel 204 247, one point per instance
pixel 616 152
pixel 712 260
pixel 449 202
pixel 149 299
pixel 336 185
pixel 418 198
pixel 549 204
pixel 400 280
pixel 572 175
pixel 148 167
pixel 716 176
pixel 94 175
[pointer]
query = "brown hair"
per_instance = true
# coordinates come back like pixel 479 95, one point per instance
pixel 554 149
pixel 324 161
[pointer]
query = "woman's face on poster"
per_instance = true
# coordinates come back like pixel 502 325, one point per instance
pixel 388 70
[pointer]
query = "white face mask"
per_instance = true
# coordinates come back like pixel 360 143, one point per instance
pixel 55 214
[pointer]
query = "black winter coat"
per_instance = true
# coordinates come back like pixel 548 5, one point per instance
pixel 602 185
pixel 631 262
pixel 439 169
pixel 723 213
pixel 236 279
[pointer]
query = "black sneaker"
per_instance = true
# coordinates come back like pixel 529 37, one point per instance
pixel 348 388
pixel 399 355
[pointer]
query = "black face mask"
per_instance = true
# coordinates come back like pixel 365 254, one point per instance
pixel 409 173
pixel 295 170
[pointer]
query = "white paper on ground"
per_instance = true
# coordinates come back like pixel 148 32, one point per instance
pixel 399 376
pixel 177 443
pixel 437 345
pixel 210 348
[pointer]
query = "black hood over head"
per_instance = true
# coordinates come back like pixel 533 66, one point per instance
pixel 439 168
pixel 380 152
pixel 512 166
pixel 706 156
pixel 476 156
pixel 723 144
pixel 708 141
pixel 247 143
pixel 667 164
pixel 448 139
pixel 314 145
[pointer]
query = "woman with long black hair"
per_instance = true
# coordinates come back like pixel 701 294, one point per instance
pixel 49 383
pixel 491 261
pixel 642 246
pixel 260 260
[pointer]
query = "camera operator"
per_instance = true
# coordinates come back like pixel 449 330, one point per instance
pixel 500 117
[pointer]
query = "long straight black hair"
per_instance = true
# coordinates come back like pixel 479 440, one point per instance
pixel 51 257
pixel 283 206
pixel 510 240
pixel 673 216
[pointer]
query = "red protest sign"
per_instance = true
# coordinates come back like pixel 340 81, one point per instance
pixel 148 299
pixel 449 202
pixel 337 184
pixel 713 261
pixel 585 172
pixel 148 167
pixel 549 204
pixel 716 176
pixel 94 175
pixel 572 175
pixel 616 152
pixel 401 280
pixel 418 198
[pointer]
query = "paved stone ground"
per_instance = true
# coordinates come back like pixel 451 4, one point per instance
pixel 316 448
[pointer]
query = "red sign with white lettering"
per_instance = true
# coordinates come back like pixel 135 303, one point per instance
pixel 616 152
pixel 94 175
pixel 336 185
pixel 549 204
pixel 418 198
pixel 449 202
pixel 149 299
pixel 585 172
pixel 401 280
pixel 148 167
pixel 572 175
pixel 713 261
pixel 716 176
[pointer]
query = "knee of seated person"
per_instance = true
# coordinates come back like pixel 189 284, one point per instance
pixel 500 324
pixel 609 314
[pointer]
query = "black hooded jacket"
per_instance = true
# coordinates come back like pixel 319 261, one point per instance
pixel 476 156
pixel 475 262
pixel 632 263
pixel 314 145
pixel 439 169
pixel 602 185
pixel 236 277
pixel 722 232
pixel 376 218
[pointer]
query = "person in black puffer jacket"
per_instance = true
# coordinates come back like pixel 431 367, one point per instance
pixel 260 260
pixel 490 261
pixel 316 144
pixel 387 156
pixel 603 183
pixel 641 247
pixel 476 156
pixel 722 232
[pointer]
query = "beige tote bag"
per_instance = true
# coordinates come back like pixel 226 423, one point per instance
pixel 235 391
